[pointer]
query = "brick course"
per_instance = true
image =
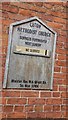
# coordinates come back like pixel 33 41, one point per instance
pixel 37 103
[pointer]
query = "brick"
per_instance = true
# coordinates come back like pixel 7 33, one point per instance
pixel 7 108
pixel 56 94
pixel 16 115
pixel 66 57
pixel 64 70
pixel 19 108
pixel 36 115
pixel 23 12
pixel 0 84
pixel 20 5
pixel 29 108
pixel 60 75
pixel 45 94
pixel 2 63
pixel 0 100
pixel 16 101
pixel 65 101
pixel 48 108
pixel 7 22
pixel 0 6
pixel 64 94
pixel 32 115
pixel 5 14
pixel 60 51
pixel 34 101
pixel 64 107
pixel 57 69
pixel 39 4
pixel 62 88
pixel 26 12
pixel 55 81
pixel 38 108
pixel 5 42
pixel 66 46
pixel 60 44
pixel 54 101
pixel 1 23
pixel 63 82
pixel 59 20
pixel 47 5
pixel 2 56
pixel 6 3
pixel 0 39
pixel 61 57
pixel 2 115
pixel 60 3
pixel 0 12
pixel 4 49
pixel 0 108
pixel 66 53
pixel 13 9
pixel 4 101
pixel 65 27
pixel 56 56
pixel 55 25
pixel 11 93
pixel 0 93
pixel 60 63
pixel 48 18
pixel 53 114
pixel 60 8
pixel 5 36
pixel 67 82
pixel 58 14
pixel 15 17
pixel 61 38
pixel 29 94
pixel 56 108
pixel 65 114
pixel 63 32
pixel 55 87
pixel 0 72
pixel 38 9
pixel 5 30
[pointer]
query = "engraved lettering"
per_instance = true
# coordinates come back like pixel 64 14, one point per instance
pixel 36 25
pixel 21 85
pixel 44 34
pixel 33 50
pixel 36 86
pixel 26 85
pixel 25 30
pixel 28 43
pixel 36 44
pixel 16 81
pixel 24 81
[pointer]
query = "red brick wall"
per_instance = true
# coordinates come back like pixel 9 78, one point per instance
pixel 18 103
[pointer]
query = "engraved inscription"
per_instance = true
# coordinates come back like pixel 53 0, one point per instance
pixel 30 63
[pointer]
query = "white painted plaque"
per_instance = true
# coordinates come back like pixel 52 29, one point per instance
pixel 30 58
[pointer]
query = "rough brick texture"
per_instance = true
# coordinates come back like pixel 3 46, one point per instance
pixel 37 103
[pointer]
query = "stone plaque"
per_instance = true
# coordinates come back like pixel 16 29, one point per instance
pixel 30 58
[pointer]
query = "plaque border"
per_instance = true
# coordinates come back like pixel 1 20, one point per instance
pixel 10 43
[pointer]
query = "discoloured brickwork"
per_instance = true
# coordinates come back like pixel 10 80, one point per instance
pixel 18 103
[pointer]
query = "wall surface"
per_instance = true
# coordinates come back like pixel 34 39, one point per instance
pixel 19 103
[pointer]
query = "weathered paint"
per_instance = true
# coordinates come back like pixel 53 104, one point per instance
pixel 30 71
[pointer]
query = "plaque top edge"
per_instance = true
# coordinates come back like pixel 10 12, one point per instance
pixel 32 19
